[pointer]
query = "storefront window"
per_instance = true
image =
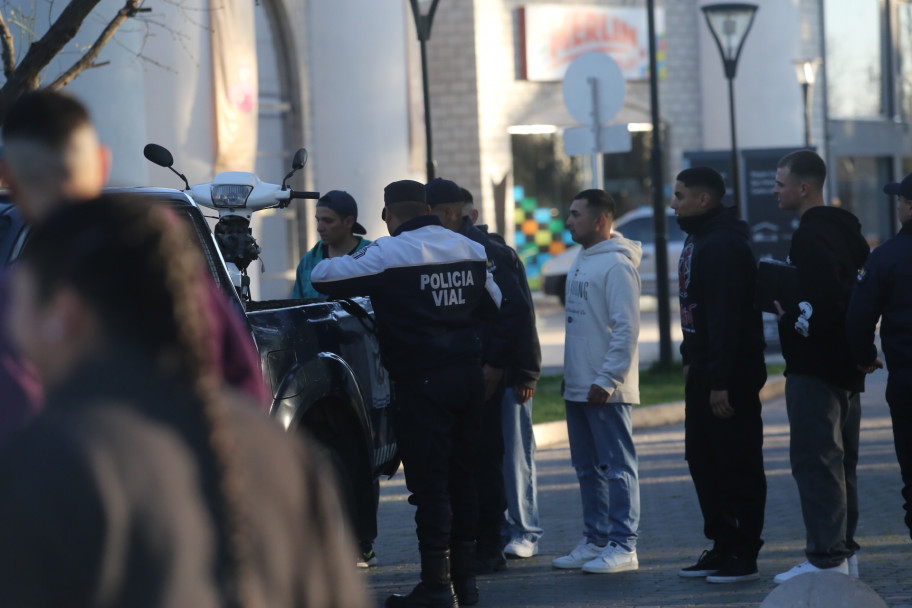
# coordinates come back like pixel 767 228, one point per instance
pixel 854 48
pixel 859 183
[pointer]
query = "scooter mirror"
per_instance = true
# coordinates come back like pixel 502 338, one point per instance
pixel 300 159
pixel 159 155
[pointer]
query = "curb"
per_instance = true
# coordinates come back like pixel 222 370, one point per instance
pixel 552 434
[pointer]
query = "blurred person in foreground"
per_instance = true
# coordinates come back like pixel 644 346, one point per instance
pixel 52 158
pixel 724 371
pixel 143 482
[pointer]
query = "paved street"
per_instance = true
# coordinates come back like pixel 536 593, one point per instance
pixel 670 528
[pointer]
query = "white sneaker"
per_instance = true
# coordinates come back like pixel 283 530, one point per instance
pixel 807 568
pixel 584 552
pixel 521 547
pixel 853 566
pixel 614 558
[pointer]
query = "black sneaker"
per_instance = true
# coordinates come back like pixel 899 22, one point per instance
pixel 735 570
pixel 708 564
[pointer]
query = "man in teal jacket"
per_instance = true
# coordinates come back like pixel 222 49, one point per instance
pixel 337 225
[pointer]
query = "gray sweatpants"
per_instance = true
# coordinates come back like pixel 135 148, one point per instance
pixel 825 424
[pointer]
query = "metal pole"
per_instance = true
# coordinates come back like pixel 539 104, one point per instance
pixel 596 156
pixel 429 143
pixel 806 90
pixel 736 180
pixel 658 200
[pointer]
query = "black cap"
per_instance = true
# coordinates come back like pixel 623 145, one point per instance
pixel 467 196
pixel 903 188
pixel 405 191
pixel 344 204
pixel 441 191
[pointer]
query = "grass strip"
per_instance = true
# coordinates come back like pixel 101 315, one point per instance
pixel 656 386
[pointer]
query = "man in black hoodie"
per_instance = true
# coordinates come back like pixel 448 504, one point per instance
pixel 822 381
pixel 724 371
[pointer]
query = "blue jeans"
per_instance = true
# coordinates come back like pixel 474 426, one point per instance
pixel 602 452
pixel 519 470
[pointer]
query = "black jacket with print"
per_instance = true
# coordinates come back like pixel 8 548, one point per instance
pixel 828 250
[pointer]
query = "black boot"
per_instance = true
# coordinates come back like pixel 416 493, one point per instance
pixel 491 558
pixel 464 557
pixel 435 589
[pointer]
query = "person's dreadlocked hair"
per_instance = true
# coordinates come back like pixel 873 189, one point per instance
pixel 136 267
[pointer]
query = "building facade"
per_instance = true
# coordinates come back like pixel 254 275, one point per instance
pixel 343 79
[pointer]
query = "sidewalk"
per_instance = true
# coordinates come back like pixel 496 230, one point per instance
pixel 671 527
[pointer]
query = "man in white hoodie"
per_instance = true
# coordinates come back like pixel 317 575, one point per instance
pixel 601 385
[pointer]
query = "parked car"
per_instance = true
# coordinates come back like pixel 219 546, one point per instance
pixel 636 225
pixel 320 359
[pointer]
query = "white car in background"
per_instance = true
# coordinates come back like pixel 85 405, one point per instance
pixel 636 225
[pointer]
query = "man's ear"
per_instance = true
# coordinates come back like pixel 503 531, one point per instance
pixel 349 222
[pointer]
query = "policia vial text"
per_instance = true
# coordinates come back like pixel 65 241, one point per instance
pixel 447 286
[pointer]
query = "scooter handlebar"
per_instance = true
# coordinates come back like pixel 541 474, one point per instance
pixel 304 194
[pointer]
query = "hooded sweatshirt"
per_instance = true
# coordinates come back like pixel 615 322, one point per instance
pixel 828 250
pixel 603 321
pixel 723 334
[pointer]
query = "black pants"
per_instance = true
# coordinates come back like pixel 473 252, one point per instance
pixel 899 397
pixel 435 416
pixel 725 457
pixel 489 481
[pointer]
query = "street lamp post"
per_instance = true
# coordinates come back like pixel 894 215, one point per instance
pixel 729 23
pixel 806 71
pixel 423 12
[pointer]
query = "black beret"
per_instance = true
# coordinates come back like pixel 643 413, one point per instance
pixel 441 191
pixel 405 191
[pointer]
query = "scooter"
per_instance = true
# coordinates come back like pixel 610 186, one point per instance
pixel 236 196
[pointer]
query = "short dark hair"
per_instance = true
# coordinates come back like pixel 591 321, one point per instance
pixel 46 117
pixel 598 201
pixel 703 178
pixel 806 165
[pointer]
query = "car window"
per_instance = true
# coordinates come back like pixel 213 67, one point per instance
pixel 641 229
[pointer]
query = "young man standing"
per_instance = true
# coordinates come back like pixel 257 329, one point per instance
pixel 601 385
pixel 337 225
pixel 823 382
pixel 884 291
pixel 724 371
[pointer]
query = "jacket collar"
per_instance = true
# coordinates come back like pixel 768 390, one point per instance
pixel 418 222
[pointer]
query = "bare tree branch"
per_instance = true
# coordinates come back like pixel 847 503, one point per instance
pixel 25 76
pixel 9 53
pixel 128 10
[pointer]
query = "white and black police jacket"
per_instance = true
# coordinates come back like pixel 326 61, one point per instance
pixel 430 289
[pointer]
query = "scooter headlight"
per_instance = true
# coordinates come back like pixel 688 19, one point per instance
pixel 230 196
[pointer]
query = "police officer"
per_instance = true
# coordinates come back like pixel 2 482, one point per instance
pixel 884 289
pixel 430 289
pixel 501 338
